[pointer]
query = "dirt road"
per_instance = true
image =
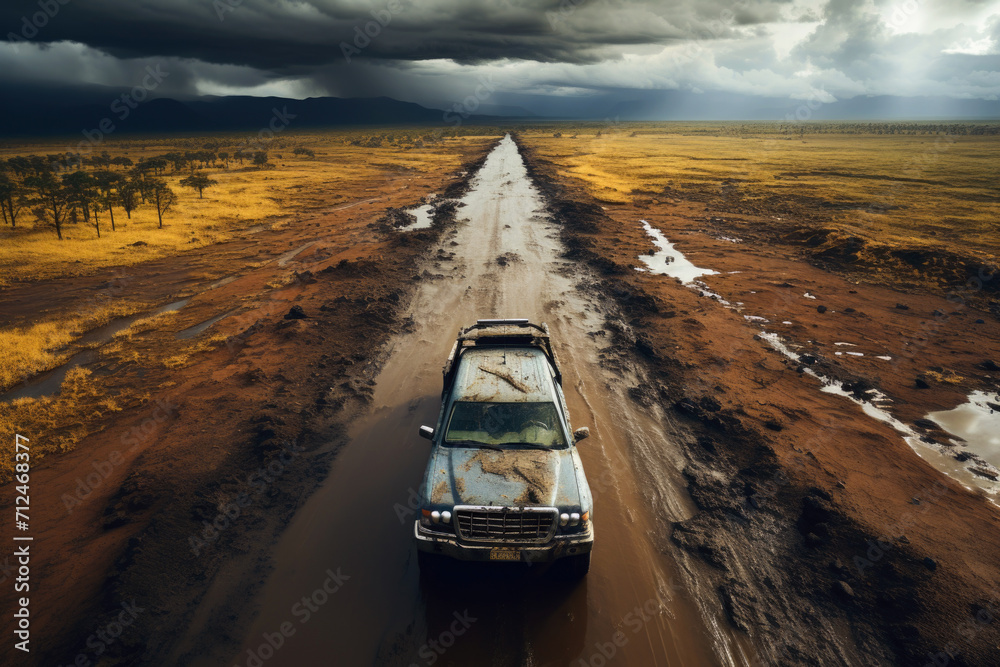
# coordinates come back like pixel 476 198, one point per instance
pixel 502 261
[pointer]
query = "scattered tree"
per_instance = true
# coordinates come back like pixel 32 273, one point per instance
pixel 163 197
pixel 128 197
pixel 107 182
pixel 260 159
pixel 199 182
pixel 51 197
pixel 80 192
pixel 13 196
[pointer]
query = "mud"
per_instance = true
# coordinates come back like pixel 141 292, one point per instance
pixel 388 612
pixel 506 377
pixel 255 403
pixel 742 516
pixel 827 539
pixel 526 465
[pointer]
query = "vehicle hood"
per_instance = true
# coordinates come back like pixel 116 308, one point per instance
pixel 508 478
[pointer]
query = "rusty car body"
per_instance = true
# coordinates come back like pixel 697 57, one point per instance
pixel 504 481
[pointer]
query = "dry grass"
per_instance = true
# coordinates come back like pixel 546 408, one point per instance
pixel 340 172
pixel 121 346
pixel 244 197
pixel 63 420
pixel 951 199
pixel 184 357
pixel 44 345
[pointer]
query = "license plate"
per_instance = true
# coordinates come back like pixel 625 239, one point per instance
pixel 504 553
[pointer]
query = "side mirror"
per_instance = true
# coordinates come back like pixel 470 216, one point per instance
pixel 426 432
pixel 581 433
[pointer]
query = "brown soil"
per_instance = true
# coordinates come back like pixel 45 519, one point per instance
pixel 252 427
pixel 816 522
pixel 824 538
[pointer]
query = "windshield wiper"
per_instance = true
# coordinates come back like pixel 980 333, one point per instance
pixel 474 443
pixel 529 445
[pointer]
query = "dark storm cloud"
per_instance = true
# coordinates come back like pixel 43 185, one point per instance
pixel 436 51
pixel 279 34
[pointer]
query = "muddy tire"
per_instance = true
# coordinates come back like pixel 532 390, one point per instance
pixel 575 567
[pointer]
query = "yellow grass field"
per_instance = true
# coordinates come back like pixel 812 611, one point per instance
pixel 933 189
pixel 348 166
pixel 245 196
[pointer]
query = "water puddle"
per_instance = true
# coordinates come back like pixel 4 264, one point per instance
pixel 290 255
pixel 424 215
pixel 191 332
pixel 976 422
pixel 668 260
pixel 49 382
pixel 703 289
pixel 224 281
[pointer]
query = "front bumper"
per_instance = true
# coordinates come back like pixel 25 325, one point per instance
pixel 560 546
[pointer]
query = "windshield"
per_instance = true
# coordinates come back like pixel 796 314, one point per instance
pixel 505 424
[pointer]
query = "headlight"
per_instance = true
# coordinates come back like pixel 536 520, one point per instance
pixel 435 519
pixel 574 522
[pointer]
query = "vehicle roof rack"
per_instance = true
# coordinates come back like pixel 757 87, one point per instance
pixel 493 323
pixel 513 332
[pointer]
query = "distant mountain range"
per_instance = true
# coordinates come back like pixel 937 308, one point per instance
pixel 685 105
pixel 49 115
pixel 89 110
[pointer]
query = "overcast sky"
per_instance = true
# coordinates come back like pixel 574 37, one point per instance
pixel 436 52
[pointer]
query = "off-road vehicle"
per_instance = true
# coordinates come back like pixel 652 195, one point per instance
pixel 504 481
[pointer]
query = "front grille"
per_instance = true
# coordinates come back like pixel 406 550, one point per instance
pixel 500 523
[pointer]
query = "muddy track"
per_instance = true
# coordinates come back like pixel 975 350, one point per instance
pixel 502 259
pixel 710 549
pixel 256 429
pixel 788 561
